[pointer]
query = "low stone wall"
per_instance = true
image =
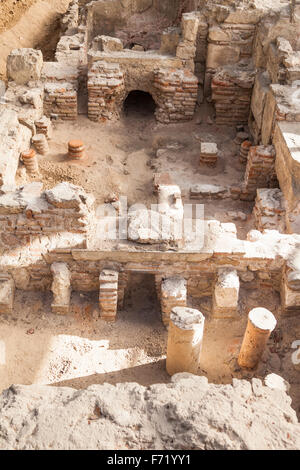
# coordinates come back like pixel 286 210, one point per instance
pixel 28 214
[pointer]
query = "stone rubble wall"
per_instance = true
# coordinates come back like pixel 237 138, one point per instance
pixel 27 214
pixel 201 49
pixel 186 49
pixel 280 105
pixel 188 413
pixel 276 49
pixel 72 46
pixel 70 20
pixel 270 210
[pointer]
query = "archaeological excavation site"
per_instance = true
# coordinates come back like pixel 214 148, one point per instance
pixel 150 225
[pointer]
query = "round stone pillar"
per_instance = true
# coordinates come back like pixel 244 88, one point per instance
pixel 184 340
pixel 261 323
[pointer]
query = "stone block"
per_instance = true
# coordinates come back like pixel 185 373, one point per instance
pixel 190 24
pixel 110 44
pixel 209 153
pixel 61 288
pixel 169 40
pixel 7 289
pixel 226 294
pixel 24 65
pixel 173 294
pixel 108 294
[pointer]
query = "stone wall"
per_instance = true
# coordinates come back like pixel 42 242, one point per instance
pixel 201 49
pixel 287 141
pixel 186 49
pixel 112 17
pixel 281 104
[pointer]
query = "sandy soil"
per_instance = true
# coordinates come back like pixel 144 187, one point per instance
pixel 11 11
pixel 29 23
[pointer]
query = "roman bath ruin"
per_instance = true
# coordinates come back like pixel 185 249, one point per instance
pixel 150 226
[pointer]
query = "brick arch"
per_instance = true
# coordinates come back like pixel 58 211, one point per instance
pixel 150 92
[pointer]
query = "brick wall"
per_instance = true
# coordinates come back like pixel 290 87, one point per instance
pixel 260 170
pixel 231 93
pixel 106 91
pixel 176 95
pixel 60 101
pixel 28 214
